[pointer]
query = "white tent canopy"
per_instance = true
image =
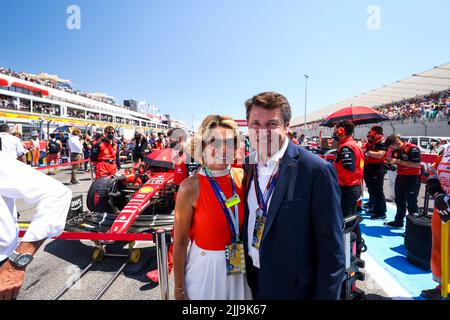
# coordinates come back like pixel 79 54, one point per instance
pixel 52 77
pixel 434 80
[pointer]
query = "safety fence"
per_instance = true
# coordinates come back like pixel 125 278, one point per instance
pixel 160 237
pixel 63 164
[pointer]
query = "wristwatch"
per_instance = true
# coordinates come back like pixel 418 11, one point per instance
pixel 20 260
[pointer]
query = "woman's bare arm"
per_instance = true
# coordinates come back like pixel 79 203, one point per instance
pixel 184 210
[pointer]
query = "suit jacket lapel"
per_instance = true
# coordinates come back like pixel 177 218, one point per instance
pixel 248 172
pixel 281 186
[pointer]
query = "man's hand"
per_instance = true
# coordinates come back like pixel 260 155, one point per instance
pixel 394 161
pixel 11 280
pixel 441 203
pixel 11 276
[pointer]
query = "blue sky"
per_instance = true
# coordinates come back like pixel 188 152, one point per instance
pixel 195 57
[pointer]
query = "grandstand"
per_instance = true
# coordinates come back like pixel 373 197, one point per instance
pixel 36 102
pixel 417 105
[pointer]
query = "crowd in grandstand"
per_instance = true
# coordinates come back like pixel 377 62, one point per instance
pixel 46 109
pixel 435 106
pixel 55 85
pixel 92 115
pixel 7 102
pixel 25 105
pixel 75 113
pixel 313 125
pixel 430 107
pixel 33 78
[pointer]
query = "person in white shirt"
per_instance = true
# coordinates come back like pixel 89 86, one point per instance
pixel 9 144
pixel 18 135
pixel 52 200
pixel 76 153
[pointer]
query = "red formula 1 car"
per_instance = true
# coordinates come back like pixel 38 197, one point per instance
pixel 140 200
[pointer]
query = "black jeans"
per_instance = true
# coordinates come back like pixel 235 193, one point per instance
pixel 349 200
pixel 349 203
pixel 374 178
pixel 406 193
pixel 87 155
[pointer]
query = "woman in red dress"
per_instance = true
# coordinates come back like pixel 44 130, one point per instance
pixel 209 213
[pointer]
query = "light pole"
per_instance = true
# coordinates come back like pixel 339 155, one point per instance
pixel 306 93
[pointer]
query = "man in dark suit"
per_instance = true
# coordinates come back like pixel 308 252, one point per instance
pixel 293 231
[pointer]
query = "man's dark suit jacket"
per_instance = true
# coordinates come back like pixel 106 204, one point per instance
pixel 302 248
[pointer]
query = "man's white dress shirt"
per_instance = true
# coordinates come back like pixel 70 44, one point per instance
pixel 20 181
pixel 11 145
pixel 75 145
pixel 264 174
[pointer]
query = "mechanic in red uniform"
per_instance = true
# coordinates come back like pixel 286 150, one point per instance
pixel 105 154
pixel 177 142
pixel 293 137
pixel 161 142
pixel 374 172
pixel 407 184
pixel 349 165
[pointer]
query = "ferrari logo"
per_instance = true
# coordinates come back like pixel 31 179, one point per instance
pixel 164 158
pixel 146 189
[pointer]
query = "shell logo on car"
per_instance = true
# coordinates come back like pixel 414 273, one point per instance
pixel 146 189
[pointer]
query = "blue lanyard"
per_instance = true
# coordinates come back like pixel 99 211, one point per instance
pixel 233 219
pixel 263 200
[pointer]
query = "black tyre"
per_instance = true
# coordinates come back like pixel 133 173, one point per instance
pixel 98 198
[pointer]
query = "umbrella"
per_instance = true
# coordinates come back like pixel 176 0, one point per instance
pixel 359 115
pixel 161 158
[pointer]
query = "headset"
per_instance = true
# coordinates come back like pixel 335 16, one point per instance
pixel 340 132
pixel 371 134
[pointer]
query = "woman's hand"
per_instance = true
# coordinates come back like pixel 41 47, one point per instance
pixel 180 294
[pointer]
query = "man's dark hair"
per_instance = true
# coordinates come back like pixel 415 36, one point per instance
pixel 110 128
pixel 52 135
pixel 270 101
pixel 377 129
pixel 4 127
pixel 391 140
pixel 348 126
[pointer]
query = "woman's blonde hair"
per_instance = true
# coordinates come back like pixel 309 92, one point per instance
pixel 197 143
pixel 76 131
